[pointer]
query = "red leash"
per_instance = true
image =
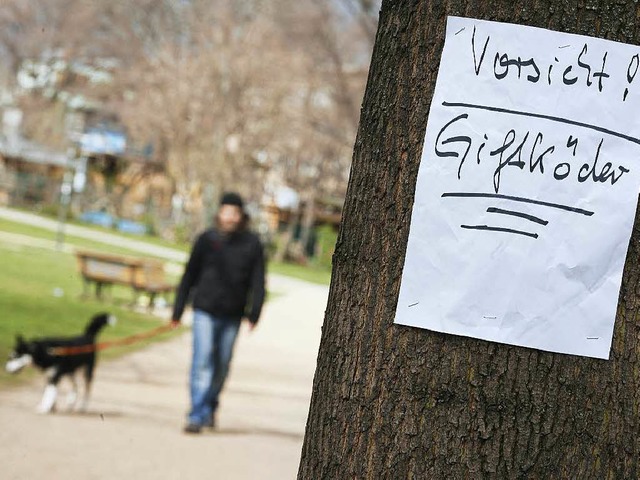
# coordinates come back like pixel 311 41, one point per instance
pixel 79 349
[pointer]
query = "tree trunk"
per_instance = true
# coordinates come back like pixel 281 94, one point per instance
pixel 286 237
pixel 308 222
pixel 397 402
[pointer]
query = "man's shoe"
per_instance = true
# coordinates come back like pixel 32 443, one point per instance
pixel 193 428
pixel 211 423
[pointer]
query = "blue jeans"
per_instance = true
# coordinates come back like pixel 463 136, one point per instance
pixel 213 341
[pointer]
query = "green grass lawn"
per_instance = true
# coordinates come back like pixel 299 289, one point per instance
pixel 321 276
pixel 29 281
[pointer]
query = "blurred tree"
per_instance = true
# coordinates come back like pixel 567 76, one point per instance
pixel 227 90
pixel 333 70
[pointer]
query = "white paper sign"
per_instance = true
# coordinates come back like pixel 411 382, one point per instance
pixel 527 189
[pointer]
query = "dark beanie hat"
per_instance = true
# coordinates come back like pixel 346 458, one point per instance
pixel 232 198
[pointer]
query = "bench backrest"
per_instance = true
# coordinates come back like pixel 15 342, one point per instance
pixel 107 268
pixel 99 269
pixel 150 274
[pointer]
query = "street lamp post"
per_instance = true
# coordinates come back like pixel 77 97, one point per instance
pixel 65 197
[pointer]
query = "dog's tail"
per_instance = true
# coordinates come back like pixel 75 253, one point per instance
pixel 98 322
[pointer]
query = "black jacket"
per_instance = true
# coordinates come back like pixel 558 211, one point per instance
pixel 226 274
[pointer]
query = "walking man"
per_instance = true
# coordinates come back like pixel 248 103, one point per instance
pixel 225 277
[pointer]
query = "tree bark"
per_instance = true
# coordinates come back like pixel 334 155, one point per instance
pixel 396 402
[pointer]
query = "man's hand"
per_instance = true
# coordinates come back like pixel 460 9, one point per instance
pixel 251 325
pixel 174 323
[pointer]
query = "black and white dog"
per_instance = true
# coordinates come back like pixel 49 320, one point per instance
pixel 49 355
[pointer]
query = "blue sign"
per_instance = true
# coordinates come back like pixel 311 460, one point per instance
pixel 103 141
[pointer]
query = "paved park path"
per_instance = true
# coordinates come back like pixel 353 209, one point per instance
pixel 133 426
pixel 91 234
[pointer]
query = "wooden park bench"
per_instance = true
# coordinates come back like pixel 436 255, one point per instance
pixel 102 269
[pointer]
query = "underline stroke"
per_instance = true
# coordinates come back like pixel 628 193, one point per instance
pixel 545 117
pixel 513 213
pixel 568 208
pixel 499 229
